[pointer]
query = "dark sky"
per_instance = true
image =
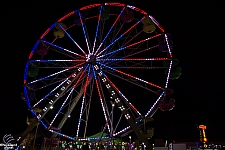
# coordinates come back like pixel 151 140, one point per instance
pixel 196 29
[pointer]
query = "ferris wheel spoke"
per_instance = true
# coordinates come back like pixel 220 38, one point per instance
pixel 71 90
pixel 70 109
pixel 134 82
pixel 125 43
pixel 40 79
pixel 105 104
pixel 132 59
pixel 81 112
pixel 69 55
pixel 96 34
pixel 122 95
pixel 100 96
pixel 73 75
pixel 109 31
pixel 131 76
pixel 88 105
pixel 82 104
pixel 116 32
pixel 63 49
pixel 42 87
pixel 72 39
pixel 51 92
pixel 120 36
pixel 120 105
pixel 120 67
pixel 60 109
pixel 132 54
pixel 84 31
pixel 75 60
pixel 130 45
pixel 141 51
pixel 53 67
pixel 74 89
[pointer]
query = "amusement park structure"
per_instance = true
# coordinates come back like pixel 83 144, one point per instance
pixel 203 139
pixel 94 56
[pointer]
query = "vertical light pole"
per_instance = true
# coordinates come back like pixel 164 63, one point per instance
pixel 130 139
pixel 113 105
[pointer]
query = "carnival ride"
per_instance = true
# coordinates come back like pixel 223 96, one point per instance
pixel 203 139
pixel 84 62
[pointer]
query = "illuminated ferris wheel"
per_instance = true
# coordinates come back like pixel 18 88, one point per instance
pixel 103 66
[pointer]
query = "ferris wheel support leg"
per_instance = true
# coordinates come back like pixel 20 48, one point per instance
pixel 70 109
pixel 124 111
pixel 26 132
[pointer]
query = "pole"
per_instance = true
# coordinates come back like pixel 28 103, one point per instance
pixel 35 136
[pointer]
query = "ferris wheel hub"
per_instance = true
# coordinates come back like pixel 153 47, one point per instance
pixel 91 58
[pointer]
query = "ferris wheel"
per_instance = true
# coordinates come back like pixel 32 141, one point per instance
pixel 103 67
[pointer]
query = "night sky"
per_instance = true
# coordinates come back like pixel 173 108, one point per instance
pixel 196 29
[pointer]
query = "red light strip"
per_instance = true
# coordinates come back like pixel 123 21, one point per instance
pixel 118 17
pixel 114 4
pixel 78 79
pixel 129 75
pixel 46 32
pixel 85 86
pixel 143 41
pixel 156 23
pixel 103 108
pixel 132 38
pixel 137 9
pixel 75 67
pixel 132 26
pixel 31 54
pixel 90 6
pixel 142 51
pixel 128 46
pixel 145 59
pixel 119 92
pixel 132 59
pixel 66 16
pixel 99 93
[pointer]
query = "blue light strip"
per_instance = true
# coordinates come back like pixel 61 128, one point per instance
pixel 62 48
pixel 75 60
pixel 85 35
pixel 96 34
pixel 26 96
pixel 110 30
pixel 112 52
pixel 119 37
pixel 63 135
pixel 72 39
pixel 106 66
pixel 40 79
